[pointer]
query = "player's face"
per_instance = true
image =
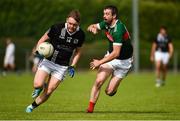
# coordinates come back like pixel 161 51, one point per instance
pixel 108 17
pixel 8 41
pixel 163 31
pixel 72 24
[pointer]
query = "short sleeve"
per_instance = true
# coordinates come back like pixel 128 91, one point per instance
pixel 155 40
pixel 169 39
pixel 52 32
pixel 101 25
pixel 82 39
pixel 118 35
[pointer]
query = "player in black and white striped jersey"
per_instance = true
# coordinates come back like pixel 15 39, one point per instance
pixel 67 39
pixel 161 52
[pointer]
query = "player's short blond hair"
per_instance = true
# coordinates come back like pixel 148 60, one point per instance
pixel 75 14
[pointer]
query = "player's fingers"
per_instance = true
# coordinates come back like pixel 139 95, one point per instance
pixel 92 65
pixel 93 68
pixel 89 28
pixel 94 30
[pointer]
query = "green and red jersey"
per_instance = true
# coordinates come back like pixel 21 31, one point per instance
pixel 118 35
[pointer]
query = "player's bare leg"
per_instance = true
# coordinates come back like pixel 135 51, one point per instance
pixel 158 72
pixel 8 67
pixel 113 85
pixel 39 81
pixel 164 71
pixel 103 73
pixel 39 78
pixel 12 66
pixel 5 69
pixel 51 86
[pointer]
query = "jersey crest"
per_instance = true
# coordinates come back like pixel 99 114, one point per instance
pixel 126 35
pixel 63 33
pixel 109 36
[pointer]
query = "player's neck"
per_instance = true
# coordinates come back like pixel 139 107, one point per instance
pixel 113 22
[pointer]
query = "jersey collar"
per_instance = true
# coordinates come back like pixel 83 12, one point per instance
pixel 114 24
pixel 77 29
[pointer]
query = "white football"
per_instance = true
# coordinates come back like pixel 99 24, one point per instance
pixel 46 49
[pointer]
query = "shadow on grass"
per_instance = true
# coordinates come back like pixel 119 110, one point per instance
pixel 113 112
pixel 132 112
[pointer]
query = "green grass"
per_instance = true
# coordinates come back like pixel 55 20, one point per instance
pixel 137 98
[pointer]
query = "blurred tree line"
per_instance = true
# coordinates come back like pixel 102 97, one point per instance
pixel 23 19
pixel 31 18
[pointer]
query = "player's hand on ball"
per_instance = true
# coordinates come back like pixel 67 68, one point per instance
pixel 36 53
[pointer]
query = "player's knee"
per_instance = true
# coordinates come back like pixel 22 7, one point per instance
pixel 110 92
pixel 99 84
pixel 37 85
pixel 158 68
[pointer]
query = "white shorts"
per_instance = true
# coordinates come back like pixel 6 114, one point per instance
pixel 53 69
pixel 9 60
pixel 120 67
pixel 162 56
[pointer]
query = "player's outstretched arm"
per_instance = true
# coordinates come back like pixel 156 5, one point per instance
pixel 93 28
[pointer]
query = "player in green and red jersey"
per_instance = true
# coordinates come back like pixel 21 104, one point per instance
pixel 118 60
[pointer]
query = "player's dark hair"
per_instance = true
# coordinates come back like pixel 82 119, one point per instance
pixel 113 9
pixel 163 27
pixel 75 14
pixel 8 39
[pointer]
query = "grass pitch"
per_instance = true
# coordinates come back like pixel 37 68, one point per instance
pixel 137 98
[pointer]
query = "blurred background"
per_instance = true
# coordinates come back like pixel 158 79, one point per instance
pixel 25 21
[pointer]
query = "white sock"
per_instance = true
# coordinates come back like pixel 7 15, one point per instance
pixel 158 81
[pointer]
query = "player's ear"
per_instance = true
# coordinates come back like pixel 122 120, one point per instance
pixel 114 16
pixel 78 23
